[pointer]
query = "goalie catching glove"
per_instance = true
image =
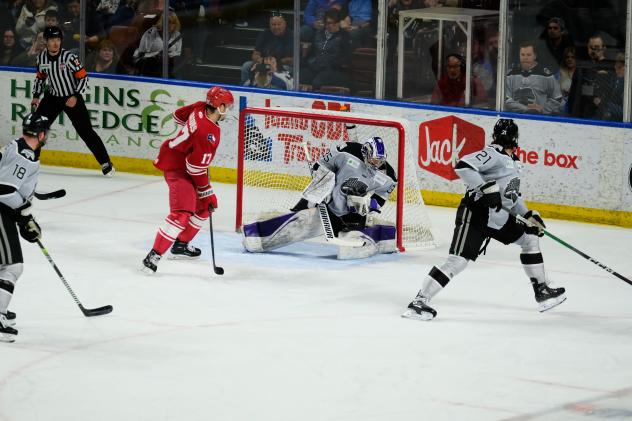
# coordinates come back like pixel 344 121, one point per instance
pixel 207 195
pixel 29 228
pixel 536 224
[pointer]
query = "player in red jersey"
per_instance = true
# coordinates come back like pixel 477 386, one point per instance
pixel 184 160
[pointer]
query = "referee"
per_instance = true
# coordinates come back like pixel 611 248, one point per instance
pixel 67 81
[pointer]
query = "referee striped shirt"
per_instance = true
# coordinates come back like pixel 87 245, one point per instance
pixel 64 72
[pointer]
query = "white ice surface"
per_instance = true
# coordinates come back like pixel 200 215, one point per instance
pixel 298 335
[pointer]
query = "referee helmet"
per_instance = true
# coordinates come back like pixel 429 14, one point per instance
pixel 53 32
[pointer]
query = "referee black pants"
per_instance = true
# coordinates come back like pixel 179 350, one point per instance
pixel 51 106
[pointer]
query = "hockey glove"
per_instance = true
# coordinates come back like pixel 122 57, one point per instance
pixel 491 195
pixel 30 230
pixel 536 226
pixel 207 195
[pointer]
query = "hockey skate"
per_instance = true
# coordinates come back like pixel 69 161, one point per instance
pixel 10 318
pixel 7 333
pixel 182 250
pixel 419 309
pixel 547 297
pixel 108 169
pixel 150 262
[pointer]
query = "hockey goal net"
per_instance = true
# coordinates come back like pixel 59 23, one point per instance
pixel 272 167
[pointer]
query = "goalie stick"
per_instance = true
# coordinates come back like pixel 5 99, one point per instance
pixel 524 221
pixel 88 312
pixel 55 194
pixel 323 213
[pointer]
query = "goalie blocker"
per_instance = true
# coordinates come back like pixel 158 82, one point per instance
pixel 351 184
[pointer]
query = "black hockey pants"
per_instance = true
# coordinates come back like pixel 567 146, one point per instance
pixel 51 106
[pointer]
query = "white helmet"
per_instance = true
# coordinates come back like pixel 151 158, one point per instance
pixel 374 152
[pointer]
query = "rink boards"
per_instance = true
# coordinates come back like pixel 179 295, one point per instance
pixel 571 171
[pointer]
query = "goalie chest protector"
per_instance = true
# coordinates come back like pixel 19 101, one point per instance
pixel 354 177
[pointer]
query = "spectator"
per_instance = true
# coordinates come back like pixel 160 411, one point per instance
pixel 450 88
pixel 568 75
pixel 485 62
pixel 94 30
pixel 593 80
pixel 358 21
pixel 264 78
pixel 148 55
pixel 105 10
pixel 556 40
pixel 532 88
pixel 314 18
pixel 327 61
pixel 280 75
pixel 105 58
pixel 51 18
pixel 32 20
pixel 10 47
pixel 614 101
pixel 276 41
pixel 28 58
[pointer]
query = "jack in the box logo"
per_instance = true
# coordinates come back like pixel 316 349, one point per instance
pixel 442 142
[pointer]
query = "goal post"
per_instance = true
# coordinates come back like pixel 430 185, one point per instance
pixel 272 167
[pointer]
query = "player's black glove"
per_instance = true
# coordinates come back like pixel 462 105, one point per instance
pixel 29 228
pixel 491 195
pixel 536 226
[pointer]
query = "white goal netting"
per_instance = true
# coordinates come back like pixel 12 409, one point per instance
pixel 273 169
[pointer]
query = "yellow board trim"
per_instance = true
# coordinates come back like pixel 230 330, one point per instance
pixel 229 175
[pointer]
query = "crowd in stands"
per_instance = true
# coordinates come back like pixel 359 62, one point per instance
pixel 555 68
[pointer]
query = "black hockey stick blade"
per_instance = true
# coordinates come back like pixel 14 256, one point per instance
pixel 100 311
pixel 50 195
pixel 218 270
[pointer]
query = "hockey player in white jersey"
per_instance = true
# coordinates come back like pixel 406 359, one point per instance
pixel 349 185
pixel 493 183
pixel 19 168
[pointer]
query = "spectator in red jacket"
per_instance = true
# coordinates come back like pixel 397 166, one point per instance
pixel 450 89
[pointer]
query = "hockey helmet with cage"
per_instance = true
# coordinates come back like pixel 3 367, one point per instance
pixel 506 133
pixel 53 32
pixel 374 152
pixel 34 124
pixel 217 96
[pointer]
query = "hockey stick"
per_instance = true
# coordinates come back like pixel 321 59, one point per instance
pixel 217 269
pixel 323 213
pixel 56 194
pixel 88 312
pixel 524 221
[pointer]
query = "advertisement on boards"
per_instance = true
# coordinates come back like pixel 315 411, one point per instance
pixel 564 163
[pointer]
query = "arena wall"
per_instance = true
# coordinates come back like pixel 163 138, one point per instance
pixel 571 171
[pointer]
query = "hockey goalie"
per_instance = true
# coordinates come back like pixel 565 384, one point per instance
pixel 349 186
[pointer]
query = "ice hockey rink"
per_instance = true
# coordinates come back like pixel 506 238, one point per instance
pixel 298 335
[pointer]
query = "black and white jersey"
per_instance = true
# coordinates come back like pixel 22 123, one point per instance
pixel 493 164
pixel 535 86
pixel 19 168
pixel 63 72
pixel 351 172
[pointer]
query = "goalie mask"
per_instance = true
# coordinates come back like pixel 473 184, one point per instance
pixel 506 133
pixel 374 152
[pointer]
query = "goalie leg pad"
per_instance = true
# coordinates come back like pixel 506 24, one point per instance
pixel 281 231
pixel 377 239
